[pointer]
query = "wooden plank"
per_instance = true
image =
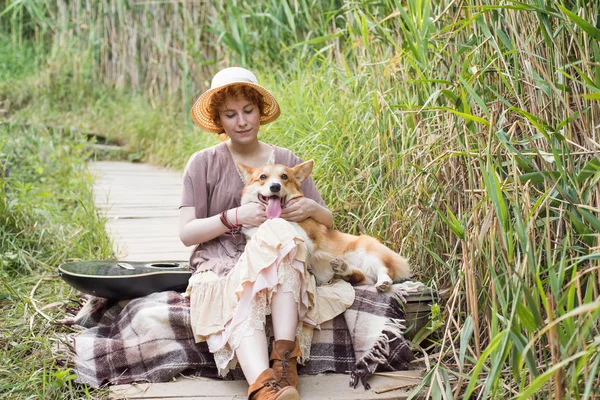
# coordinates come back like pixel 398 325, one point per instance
pixel 140 238
pixel 164 256
pixel 318 387
pixel 139 213
pixel 133 207
pixel 141 203
pixel 130 195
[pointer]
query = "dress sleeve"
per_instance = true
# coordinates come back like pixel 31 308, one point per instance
pixel 194 192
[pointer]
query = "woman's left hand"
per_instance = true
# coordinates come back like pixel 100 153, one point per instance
pixel 299 209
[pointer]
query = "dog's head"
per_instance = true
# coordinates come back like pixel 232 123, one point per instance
pixel 273 185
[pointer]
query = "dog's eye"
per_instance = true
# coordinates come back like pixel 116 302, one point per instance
pixel 284 176
pixel 263 177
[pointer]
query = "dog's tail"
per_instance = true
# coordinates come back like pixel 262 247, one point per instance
pixel 397 265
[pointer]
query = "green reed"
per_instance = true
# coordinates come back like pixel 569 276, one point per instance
pixel 463 134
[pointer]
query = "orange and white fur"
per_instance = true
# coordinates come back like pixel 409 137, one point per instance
pixel 357 259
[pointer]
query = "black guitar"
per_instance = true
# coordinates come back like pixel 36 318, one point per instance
pixel 125 279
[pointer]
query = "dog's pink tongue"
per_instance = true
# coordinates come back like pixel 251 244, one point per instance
pixel 274 208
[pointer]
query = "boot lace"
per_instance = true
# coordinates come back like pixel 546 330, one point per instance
pixel 273 386
pixel 285 366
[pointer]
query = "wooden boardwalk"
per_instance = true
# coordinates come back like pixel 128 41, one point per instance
pixel 141 203
pixel 318 387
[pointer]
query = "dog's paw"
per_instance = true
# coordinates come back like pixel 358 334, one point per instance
pixel 339 266
pixel 384 285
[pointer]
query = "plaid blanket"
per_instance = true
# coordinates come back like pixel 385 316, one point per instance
pixel 149 339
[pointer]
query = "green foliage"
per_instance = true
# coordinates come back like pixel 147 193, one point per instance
pixel 463 134
pixel 46 217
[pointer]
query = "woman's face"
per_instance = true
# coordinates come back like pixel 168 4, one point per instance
pixel 240 119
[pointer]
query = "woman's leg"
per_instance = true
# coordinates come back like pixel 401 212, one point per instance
pixel 253 355
pixel 253 358
pixel 285 353
pixel 284 313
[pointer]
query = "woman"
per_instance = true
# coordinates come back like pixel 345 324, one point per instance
pixel 235 285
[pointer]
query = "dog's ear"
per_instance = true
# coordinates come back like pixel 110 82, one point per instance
pixel 302 171
pixel 245 171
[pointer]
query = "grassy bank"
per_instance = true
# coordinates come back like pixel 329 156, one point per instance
pixel 47 217
pixel 463 134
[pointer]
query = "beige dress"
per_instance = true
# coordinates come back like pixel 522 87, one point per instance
pixel 231 288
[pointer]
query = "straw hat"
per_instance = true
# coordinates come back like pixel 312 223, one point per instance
pixel 228 77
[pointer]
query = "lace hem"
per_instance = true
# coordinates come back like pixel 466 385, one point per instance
pixel 289 280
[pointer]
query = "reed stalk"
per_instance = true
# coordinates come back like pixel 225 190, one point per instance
pixel 463 134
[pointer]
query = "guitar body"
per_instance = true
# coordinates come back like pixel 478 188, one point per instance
pixel 125 279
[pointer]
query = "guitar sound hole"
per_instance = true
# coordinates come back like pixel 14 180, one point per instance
pixel 163 265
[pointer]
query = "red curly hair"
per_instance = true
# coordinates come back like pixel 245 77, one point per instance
pixel 237 92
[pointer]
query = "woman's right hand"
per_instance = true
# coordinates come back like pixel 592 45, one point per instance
pixel 251 214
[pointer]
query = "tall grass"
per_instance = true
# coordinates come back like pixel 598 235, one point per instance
pixel 47 217
pixel 464 134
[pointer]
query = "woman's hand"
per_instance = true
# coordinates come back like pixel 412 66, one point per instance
pixel 251 214
pixel 299 209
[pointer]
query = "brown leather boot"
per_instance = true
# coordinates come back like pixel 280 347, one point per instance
pixel 285 355
pixel 266 387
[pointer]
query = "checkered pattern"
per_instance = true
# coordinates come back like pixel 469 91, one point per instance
pixel 149 339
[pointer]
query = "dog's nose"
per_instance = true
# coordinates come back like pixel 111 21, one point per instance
pixel 275 187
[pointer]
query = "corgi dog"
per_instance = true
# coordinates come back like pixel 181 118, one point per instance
pixel 332 254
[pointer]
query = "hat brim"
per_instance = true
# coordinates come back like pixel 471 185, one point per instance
pixel 201 114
